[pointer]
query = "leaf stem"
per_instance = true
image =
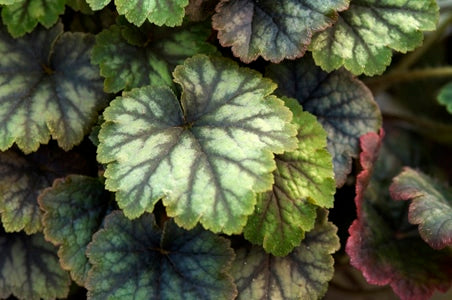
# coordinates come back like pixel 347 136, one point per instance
pixel 402 76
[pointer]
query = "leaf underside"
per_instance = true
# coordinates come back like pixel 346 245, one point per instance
pixel 272 29
pixel 207 155
pixel 136 259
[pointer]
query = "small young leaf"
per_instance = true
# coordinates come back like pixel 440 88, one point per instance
pixel 430 208
pixel 80 5
pixel 303 274
pixel 74 208
pixel 304 179
pixel 29 268
pixel 168 12
pixel 22 16
pixel 22 178
pixel 342 104
pixel 136 259
pixel 51 90
pixel 445 96
pixel 365 33
pixel 126 66
pixel 272 29
pixel 206 155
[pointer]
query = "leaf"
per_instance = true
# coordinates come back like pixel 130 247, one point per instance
pixel 304 179
pixel 207 155
pixel 363 37
pixel 22 16
pixel 303 274
pixel 22 178
pixel 50 91
pixel 430 208
pixel 80 5
pixel 169 12
pixel 136 259
pixel 29 268
pixel 74 208
pixel 273 30
pixel 200 10
pixel 445 96
pixel 341 103
pixel 126 66
pixel 382 245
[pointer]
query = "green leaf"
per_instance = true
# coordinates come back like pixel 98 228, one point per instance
pixel 363 37
pixel 430 208
pixel 206 155
pixel 304 179
pixel 303 274
pixel 274 30
pixel 79 5
pixel 22 178
pixel 136 259
pixel 126 66
pixel 29 268
pixel 341 103
pixel 50 91
pixel 74 208
pixel 168 12
pixel 22 16
pixel 445 96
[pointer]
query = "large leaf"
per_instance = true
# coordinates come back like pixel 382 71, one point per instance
pixel 272 29
pixel 168 12
pixel 29 268
pixel 22 178
pixel 136 259
pixel 22 16
pixel 382 245
pixel 342 104
pixel 303 274
pixel 48 88
pixel 206 155
pixel 445 96
pixel 430 208
pixel 363 37
pixel 304 179
pixel 74 208
pixel 126 66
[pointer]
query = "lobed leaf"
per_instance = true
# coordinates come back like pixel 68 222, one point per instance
pixel 51 90
pixel 430 208
pixel 303 274
pixel 341 103
pixel 272 29
pixel 22 16
pixel 304 179
pixel 22 178
pixel 206 155
pixel 445 96
pixel 136 259
pixel 365 34
pixel 29 268
pixel 74 208
pixel 168 12
pixel 125 65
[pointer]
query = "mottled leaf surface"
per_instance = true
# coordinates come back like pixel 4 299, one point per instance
pixel 74 208
pixel 159 12
pixel 341 103
pixel 29 268
pixel 22 178
pixel 303 274
pixel 200 10
pixel 149 60
pixel 48 87
pixel 384 246
pixel 206 155
pixel 430 208
pixel 22 16
pixel 136 259
pixel 272 29
pixel 365 34
pixel 304 179
pixel 445 96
